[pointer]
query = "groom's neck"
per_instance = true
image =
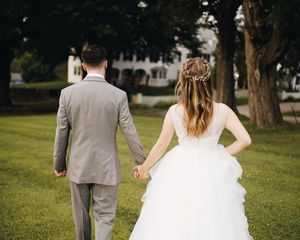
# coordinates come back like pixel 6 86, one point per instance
pixel 97 71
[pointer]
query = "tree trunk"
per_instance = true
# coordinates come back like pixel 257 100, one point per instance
pixel 6 57
pixel 263 99
pixel 224 72
pixel 263 51
pixel 225 15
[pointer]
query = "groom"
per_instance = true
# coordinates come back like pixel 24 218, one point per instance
pixel 92 110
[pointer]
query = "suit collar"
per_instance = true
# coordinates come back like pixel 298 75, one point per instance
pixel 94 78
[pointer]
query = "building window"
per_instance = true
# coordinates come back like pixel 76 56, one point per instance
pixel 115 73
pixel 179 56
pixel 164 75
pixel 154 74
pixel 79 70
pixel 75 70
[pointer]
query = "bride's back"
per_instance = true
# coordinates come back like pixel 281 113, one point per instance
pixel 213 131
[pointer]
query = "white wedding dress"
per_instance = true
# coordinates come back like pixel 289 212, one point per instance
pixel 194 193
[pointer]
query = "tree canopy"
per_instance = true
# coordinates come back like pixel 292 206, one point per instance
pixel 52 28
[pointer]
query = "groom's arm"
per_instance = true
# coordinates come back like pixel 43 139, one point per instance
pixel 129 131
pixel 61 136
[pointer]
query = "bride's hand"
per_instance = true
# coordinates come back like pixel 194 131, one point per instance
pixel 140 172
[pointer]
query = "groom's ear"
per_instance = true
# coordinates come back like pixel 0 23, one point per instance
pixel 83 66
pixel 105 64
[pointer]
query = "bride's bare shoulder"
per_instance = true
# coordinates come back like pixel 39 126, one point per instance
pixel 174 106
pixel 220 104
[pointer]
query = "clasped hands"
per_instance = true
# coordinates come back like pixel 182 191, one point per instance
pixel 140 172
pixel 61 173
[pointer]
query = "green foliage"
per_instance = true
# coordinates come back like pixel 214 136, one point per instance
pixel 60 72
pixel 241 100
pixel 119 26
pixel 240 59
pixel 53 85
pixel 292 114
pixel 33 69
pixel 163 104
pixel 36 205
pixel 155 91
pixel 16 65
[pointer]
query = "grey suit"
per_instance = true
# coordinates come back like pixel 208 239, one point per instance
pixel 92 111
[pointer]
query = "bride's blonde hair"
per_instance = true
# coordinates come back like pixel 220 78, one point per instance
pixel 194 92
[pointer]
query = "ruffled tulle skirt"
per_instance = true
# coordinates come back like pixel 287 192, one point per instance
pixel 193 195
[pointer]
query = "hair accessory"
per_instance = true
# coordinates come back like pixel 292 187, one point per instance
pixel 187 71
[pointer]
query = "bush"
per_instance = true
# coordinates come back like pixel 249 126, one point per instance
pixel 33 94
pixel 164 104
pixel 60 72
pixel 155 91
pixel 33 69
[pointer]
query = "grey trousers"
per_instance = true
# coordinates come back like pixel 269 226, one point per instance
pixel 104 202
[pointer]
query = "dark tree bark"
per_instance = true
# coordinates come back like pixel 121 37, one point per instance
pixel 265 45
pixel 224 72
pixel 225 14
pixel 6 57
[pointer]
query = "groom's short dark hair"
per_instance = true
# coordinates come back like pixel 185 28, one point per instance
pixel 93 55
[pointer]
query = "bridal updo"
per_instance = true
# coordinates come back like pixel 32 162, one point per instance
pixel 195 94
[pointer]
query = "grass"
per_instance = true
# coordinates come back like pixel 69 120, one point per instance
pixel 36 205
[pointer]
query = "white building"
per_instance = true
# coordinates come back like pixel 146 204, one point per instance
pixel 138 69
pixel 74 69
pixel 295 83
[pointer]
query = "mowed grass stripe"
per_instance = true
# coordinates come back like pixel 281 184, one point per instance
pixel 36 205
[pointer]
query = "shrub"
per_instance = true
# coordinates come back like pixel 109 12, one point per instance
pixel 33 69
pixel 33 94
pixel 164 104
pixel 60 72
pixel 155 91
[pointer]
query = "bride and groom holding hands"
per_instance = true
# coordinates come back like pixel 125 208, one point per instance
pixel 193 193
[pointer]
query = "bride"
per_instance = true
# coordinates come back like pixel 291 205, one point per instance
pixel 194 193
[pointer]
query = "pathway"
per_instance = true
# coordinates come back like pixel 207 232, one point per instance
pixel 244 110
pixel 284 106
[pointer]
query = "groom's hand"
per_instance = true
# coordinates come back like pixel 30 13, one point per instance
pixel 140 172
pixel 61 173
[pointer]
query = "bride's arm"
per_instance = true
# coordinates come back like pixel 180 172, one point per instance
pixel 234 125
pixel 159 147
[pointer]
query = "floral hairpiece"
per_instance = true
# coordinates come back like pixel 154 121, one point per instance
pixel 203 78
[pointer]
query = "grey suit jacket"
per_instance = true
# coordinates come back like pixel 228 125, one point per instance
pixel 92 110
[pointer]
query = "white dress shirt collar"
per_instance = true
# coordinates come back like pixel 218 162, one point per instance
pixel 95 75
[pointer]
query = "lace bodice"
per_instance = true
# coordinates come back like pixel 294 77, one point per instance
pixel 211 137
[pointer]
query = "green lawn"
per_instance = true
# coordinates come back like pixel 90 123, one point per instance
pixel 36 205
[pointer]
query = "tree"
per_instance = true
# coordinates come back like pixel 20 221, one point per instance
pixel 290 64
pixel 240 59
pixel 11 16
pixel 269 29
pixel 51 28
pixel 150 26
pixel 224 12
pixel 33 70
